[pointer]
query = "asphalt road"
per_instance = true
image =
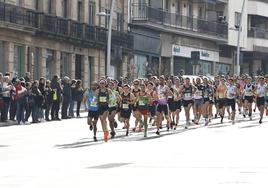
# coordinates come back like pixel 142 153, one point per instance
pixel 63 154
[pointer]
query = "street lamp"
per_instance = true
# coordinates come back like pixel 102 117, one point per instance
pixel 238 40
pixel 108 66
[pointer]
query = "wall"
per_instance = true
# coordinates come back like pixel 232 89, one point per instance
pixel 236 6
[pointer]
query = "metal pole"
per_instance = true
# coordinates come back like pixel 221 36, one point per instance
pixel 108 67
pixel 238 41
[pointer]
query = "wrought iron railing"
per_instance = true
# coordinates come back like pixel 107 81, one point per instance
pixel 143 13
pixel 18 15
pixel 257 32
pixel 67 29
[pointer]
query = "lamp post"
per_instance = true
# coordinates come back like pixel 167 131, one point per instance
pixel 238 40
pixel 109 41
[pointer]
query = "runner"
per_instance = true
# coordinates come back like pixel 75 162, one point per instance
pixel 91 102
pixel 198 100
pixel 231 97
pixel 152 102
pixel 221 97
pixel 114 98
pixel 103 100
pixel 187 99
pixel 248 97
pixel 162 106
pixel 143 101
pixel 126 103
pixel 260 93
pixel 135 90
pixel 177 102
pixel 208 101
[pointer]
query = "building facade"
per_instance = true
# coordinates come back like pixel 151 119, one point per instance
pixel 170 30
pixel 64 37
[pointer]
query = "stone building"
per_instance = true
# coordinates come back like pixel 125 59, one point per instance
pixel 64 37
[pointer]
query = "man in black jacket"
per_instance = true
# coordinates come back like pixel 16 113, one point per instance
pixel 56 97
pixel 66 97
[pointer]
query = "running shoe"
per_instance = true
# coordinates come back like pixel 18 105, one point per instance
pixel 260 122
pixel 90 127
pixel 127 133
pixel 95 139
pixel 115 124
pixel 158 133
pixel 112 135
pixel 106 136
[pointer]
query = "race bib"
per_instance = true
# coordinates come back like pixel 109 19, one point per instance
pixel 93 104
pixel 188 95
pixel 125 106
pixel 103 99
pixel 141 103
pixel 113 103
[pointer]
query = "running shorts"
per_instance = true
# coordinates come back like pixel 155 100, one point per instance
pixel 231 102
pixel 260 101
pixel 249 99
pixel 93 114
pixel 162 108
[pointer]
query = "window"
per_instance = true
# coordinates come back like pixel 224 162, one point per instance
pixel 36 4
pixel 19 2
pixel 49 6
pixel 2 58
pixel 79 11
pixel 120 22
pixel 91 12
pixel 107 18
pixel 167 5
pixel 200 13
pixel 190 10
pixel 19 60
pixel 237 19
pixel 65 8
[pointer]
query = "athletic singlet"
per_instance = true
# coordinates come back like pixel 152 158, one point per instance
pixel 125 101
pixel 113 98
pixel 261 90
pixel 161 94
pixel 187 95
pixel 248 90
pixel 103 98
pixel 231 91
pixel 207 91
pixel 143 101
pixel 92 102
pixel 199 92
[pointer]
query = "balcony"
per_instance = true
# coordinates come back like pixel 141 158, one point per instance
pixel 260 33
pixel 49 26
pixel 179 24
pixel 257 39
pixel 19 16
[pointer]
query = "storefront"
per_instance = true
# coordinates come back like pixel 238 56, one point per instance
pixel 182 60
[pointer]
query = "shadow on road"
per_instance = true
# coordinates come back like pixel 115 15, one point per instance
pixel 122 138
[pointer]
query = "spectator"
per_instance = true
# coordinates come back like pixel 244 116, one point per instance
pixel 21 96
pixel 56 98
pixel 73 89
pixel 48 99
pixel 79 92
pixel 38 102
pixel 27 77
pixel 66 97
pixel 41 87
pixel 7 86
